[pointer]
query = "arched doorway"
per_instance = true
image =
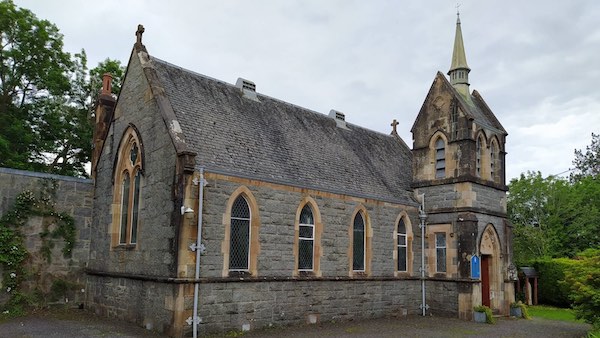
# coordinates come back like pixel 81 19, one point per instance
pixel 491 265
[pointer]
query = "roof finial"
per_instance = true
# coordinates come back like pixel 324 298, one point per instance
pixel 138 34
pixel 394 125
pixel 457 13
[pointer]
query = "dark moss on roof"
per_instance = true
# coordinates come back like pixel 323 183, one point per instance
pixel 278 142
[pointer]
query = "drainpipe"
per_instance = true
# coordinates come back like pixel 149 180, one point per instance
pixel 199 248
pixel 422 218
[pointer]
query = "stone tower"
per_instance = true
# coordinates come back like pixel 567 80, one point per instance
pixel 459 168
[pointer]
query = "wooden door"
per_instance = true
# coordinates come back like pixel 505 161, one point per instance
pixel 485 280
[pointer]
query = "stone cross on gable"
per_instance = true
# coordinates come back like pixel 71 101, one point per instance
pixel 394 125
pixel 138 33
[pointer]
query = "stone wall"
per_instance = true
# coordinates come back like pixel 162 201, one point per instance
pixel 276 296
pixel 235 305
pixel 112 268
pixel 72 195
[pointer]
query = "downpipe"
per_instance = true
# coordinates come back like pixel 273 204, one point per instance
pixel 199 248
pixel 422 218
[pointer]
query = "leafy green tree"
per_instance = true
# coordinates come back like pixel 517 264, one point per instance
pixel 584 279
pixel 529 199
pixel 32 68
pixel 588 163
pixel 553 217
pixel 46 96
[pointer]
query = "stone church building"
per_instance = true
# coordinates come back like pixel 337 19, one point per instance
pixel 216 200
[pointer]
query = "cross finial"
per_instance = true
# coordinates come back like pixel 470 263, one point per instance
pixel 457 12
pixel 394 125
pixel 138 33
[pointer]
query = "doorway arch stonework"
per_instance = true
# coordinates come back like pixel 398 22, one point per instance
pixel 492 293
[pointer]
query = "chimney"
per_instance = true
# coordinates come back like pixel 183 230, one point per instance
pixel 104 111
pixel 106 84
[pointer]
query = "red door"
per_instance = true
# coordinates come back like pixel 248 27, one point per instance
pixel 485 280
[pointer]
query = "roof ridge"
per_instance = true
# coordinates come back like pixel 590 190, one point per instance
pixel 265 96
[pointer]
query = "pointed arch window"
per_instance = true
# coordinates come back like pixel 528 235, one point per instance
pixel 440 158
pixel 239 241
pixel 479 153
pixel 493 160
pixel 306 239
pixel 128 181
pixel 358 243
pixel 402 242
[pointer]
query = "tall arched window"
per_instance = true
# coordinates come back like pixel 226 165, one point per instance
pixel 239 241
pixel 479 153
pixel 440 158
pixel 306 239
pixel 358 243
pixel 128 173
pixel 402 242
pixel 493 160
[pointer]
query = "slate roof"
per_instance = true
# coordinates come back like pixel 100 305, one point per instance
pixel 476 108
pixel 278 142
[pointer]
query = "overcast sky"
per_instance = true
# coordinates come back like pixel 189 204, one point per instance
pixel 535 62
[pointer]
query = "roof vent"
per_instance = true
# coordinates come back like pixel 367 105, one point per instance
pixel 248 89
pixel 339 117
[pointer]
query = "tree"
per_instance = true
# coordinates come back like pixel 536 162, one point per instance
pixel 46 96
pixel 588 163
pixel 32 67
pixel 584 279
pixel 528 203
pixel 553 217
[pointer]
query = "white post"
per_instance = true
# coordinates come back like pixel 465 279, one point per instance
pixel 195 318
pixel 422 218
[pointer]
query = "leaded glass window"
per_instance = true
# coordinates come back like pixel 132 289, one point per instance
pixel 124 209
pixel 306 239
pixel 402 245
pixel 136 207
pixel 358 243
pixel 493 158
pixel 127 192
pixel 440 158
pixel 239 252
pixel 478 164
pixel 440 251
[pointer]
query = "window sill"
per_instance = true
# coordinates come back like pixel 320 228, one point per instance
pixel 239 274
pixel 124 247
pixel 360 274
pixel 306 275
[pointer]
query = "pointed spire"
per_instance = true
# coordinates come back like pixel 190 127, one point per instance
pixel 459 70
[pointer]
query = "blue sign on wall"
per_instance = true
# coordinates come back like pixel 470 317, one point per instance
pixel 475 267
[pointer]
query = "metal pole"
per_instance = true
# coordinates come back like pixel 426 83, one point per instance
pixel 198 249
pixel 422 218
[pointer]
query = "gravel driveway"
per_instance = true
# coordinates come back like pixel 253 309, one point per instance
pixel 82 324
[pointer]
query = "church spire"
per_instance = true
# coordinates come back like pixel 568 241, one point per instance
pixel 459 71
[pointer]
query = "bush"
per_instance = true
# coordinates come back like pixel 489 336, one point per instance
pixel 551 287
pixel 489 316
pixel 584 279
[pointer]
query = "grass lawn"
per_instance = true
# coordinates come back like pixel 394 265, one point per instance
pixel 554 313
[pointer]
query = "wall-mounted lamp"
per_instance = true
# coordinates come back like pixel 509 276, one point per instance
pixel 186 210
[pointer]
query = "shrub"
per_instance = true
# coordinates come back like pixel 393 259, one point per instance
pixel 584 279
pixel 523 307
pixel 551 287
pixel 489 316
